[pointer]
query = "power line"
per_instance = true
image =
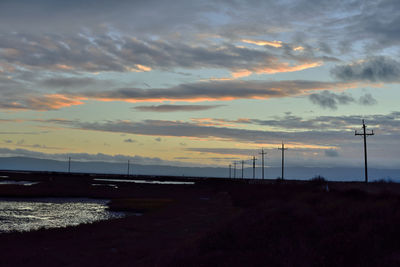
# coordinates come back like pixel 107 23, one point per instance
pixel 365 134
pixel 128 167
pixel 283 158
pixel 254 167
pixel 242 168
pixel 262 157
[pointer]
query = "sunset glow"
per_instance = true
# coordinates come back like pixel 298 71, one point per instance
pixel 199 83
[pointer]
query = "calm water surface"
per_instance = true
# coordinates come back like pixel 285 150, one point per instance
pixel 26 183
pixel 141 181
pixel 31 214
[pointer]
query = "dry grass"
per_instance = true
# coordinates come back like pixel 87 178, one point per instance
pixel 138 204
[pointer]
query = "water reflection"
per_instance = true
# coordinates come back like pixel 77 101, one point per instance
pixel 31 214
pixel 26 183
pixel 109 185
pixel 142 181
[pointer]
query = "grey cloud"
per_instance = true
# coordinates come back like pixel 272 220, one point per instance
pixel 198 91
pixel 20 142
pixel 65 82
pixel 219 90
pixel 173 108
pixel 326 131
pixel 158 139
pixel 389 122
pixel 39 146
pixel 81 156
pixel 331 153
pixel 150 17
pixel 24 133
pixel 54 120
pixel 325 47
pixel 288 121
pixel 374 69
pixel 367 100
pixel 182 158
pixel 55 52
pixel 226 151
pixel 335 21
pixel 330 100
pixel 93 53
pixel 377 23
pixel 207 158
pixel 186 129
pixel 129 140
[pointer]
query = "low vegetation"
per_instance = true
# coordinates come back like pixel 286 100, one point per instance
pixel 138 204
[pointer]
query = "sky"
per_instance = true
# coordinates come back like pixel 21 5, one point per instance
pixel 201 83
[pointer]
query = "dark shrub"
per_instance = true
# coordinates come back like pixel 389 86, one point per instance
pixel 384 181
pixel 318 180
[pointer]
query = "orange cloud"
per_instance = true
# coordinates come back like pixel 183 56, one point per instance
pixel 286 67
pixel 206 91
pixel 220 91
pixel 9 52
pixel 241 73
pixel 4 67
pixel 298 48
pixel 292 145
pixel 276 44
pixel 307 146
pixel 167 99
pixel 138 68
pixel 279 68
pixel 211 122
pixel 54 101
pixel 220 122
pixel 276 68
pixel 64 67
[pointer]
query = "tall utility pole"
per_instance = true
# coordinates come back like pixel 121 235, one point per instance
pixel 262 157
pixel 254 167
pixel 234 169
pixel 365 134
pixel 69 164
pixel 242 168
pixel 128 167
pixel 283 158
pixel 230 167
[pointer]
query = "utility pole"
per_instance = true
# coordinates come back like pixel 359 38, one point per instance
pixel 262 157
pixel 242 168
pixel 283 158
pixel 230 166
pixel 69 164
pixel 365 134
pixel 254 167
pixel 128 167
pixel 234 169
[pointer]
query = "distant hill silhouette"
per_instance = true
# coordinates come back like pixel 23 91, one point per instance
pixel 336 173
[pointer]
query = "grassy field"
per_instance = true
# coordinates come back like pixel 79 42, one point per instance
pixel 217 223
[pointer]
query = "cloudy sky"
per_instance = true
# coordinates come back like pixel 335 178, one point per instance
pixel 200 82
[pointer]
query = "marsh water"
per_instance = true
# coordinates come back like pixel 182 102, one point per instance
pixel 143 181
pixel 31 214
